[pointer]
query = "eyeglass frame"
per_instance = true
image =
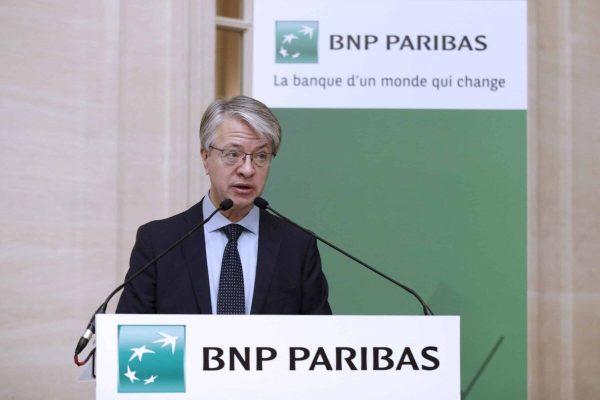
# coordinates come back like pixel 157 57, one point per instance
pixel 243 158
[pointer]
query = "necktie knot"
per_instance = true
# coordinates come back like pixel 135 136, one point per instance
pixel 233 231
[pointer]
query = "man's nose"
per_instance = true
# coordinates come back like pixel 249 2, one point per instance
pixel 247 166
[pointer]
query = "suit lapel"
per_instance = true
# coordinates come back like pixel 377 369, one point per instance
pixel 269 241
pixel 194 253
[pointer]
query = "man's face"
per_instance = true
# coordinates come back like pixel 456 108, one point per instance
pixel 242 182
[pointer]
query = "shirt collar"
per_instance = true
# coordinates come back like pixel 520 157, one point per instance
pixel 249 222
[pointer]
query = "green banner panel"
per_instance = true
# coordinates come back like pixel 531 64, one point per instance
pixel 434 198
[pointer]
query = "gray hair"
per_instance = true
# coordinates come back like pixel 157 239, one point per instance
pixel 245 109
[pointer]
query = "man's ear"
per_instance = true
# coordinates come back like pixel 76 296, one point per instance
pixel 204 155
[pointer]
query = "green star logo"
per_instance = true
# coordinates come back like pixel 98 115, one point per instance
pixel 296 42
pixel 151 358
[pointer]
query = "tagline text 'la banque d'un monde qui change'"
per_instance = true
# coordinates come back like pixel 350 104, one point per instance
pixel 416 81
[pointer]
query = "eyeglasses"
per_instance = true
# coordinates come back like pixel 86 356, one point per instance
pixel 233 157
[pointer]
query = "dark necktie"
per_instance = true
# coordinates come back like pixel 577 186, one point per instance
pixel 230 299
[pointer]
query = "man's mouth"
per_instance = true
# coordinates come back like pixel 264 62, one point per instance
pixel 241 188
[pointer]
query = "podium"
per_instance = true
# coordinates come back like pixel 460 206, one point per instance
pixel 277 357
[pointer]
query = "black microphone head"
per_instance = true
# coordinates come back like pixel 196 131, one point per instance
pixel 261 203
pixel 226 204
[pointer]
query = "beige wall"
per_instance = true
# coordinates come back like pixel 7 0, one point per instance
pixel 564 199
pixel 99 107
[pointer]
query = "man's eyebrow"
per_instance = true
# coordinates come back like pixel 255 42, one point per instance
pixel 237 146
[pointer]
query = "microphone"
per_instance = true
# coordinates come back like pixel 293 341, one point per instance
pixel 264 205
pixel 91 328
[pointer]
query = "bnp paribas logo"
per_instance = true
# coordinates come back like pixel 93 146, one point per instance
pixel 151 358
pixel 297 42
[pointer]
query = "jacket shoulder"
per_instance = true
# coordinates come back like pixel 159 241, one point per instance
pixel 284 227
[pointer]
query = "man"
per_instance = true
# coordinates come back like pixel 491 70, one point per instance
pixel 244 261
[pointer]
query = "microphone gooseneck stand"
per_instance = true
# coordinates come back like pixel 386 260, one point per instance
pixel 91 328
pixel 263 204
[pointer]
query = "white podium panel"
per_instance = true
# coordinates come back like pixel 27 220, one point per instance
pixel 277 357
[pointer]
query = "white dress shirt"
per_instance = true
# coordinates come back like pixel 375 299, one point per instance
pixel 215 241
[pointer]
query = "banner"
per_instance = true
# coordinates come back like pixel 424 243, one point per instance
pixel 390 54
pixel 404 141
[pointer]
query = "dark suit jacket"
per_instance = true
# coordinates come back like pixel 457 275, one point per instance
pixel 289 279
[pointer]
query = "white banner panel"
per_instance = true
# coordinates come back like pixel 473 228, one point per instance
pixel 277 357
pixel 390 54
